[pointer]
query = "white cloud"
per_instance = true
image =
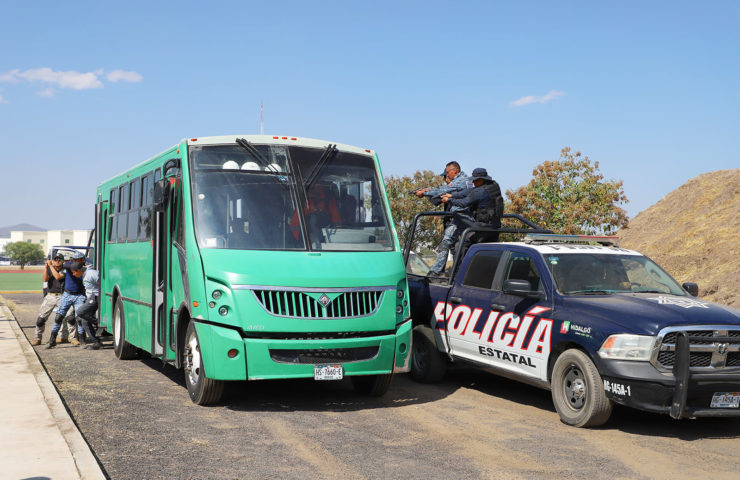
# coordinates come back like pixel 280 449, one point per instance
pixel 70 79
pixel 47 92
pixel 529 99
pixel 124 76
pixel 2 100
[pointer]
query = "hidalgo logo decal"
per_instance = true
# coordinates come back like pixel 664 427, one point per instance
pixel 565 327
pixel 679 301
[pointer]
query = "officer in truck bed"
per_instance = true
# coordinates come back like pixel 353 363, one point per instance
pixel 483 203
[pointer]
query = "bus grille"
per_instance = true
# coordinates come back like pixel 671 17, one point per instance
pixel 706 353
pixel 317 356
pixel 297 304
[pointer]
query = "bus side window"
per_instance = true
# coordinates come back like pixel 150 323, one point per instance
pixel 112 216
pixel 122 212
pixel 133 214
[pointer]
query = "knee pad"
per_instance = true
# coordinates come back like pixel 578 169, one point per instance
pixel 58 318
pixel 40 322
pixel 71 322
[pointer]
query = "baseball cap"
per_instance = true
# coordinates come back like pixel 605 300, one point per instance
pixel 77 256
pixel 58 256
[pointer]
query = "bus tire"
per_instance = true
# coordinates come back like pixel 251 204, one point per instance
pixel 202 390
pixel 578 391
pixel 122 349
pixel 372 385
pixel 428 365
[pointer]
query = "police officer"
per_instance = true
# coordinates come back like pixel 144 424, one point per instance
pixel 456 181
pixel 483 203
pixel 53 277
pixel 73 297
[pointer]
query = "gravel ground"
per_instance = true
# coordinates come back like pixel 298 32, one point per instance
pixel 140 423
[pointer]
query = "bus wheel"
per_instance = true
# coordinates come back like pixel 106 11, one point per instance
pixel 578 391
pixel 122 349
pixel 373 385
pixel 427 363
pixel 202 390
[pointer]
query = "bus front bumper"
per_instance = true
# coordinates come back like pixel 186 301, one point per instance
pixel 227 355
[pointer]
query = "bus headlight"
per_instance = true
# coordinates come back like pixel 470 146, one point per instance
pixel 223 311
pixel 627 347
pixel 216 294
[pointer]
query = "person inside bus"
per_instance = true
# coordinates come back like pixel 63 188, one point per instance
pixel 322 211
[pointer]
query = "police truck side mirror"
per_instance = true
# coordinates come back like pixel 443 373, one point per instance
pixel 691 288
pixel 520 288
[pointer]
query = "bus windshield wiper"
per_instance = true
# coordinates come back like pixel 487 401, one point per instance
pixel 258 156
pixel 255 153
pixel 329 152
pixel 590 292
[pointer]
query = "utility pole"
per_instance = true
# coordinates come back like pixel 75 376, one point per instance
pixel 262 118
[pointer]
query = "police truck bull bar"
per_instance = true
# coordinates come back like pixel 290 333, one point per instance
pixel 682 374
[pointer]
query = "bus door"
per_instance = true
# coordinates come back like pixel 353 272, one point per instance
pixel 101 215
pixel 160 254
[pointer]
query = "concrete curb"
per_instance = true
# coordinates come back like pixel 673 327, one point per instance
pixel 84 460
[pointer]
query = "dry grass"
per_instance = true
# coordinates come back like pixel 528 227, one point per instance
pixel 9 303
pixel 694 233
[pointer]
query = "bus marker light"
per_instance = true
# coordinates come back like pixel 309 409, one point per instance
pixel 276 138
pixel 195 304
pixel 368 151
pixel 293 138
pixel 193 139
pixel 233 353
pixel 285 138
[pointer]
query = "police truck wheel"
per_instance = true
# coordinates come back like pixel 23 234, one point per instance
pixel 122 349
pixel 373 385
pixel 427 363
pixel 578 391
pixel 202 390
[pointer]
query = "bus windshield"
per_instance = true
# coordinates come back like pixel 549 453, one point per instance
pixel 248 198
pixel 584 273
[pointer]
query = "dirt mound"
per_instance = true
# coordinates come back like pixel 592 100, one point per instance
pixel 694 233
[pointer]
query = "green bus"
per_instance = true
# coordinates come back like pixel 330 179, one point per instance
pixel 255 257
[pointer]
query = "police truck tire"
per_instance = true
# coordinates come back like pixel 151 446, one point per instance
pixel 122 349
pixel 202 390
pixel 428 365
pixel 372 385
pixel 578 391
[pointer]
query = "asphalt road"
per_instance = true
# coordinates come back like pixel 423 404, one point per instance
pixel 140 423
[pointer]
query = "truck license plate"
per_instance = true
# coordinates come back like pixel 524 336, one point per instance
pixel 327 372
pixel 725 400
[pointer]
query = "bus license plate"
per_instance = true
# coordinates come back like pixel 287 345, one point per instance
pixel 327 372
pixel 725 400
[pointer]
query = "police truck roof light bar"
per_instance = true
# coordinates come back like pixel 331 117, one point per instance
pixel 555 238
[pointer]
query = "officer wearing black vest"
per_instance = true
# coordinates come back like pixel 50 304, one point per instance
pixel 483 202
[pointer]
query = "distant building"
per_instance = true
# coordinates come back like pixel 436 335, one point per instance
pixel 51 238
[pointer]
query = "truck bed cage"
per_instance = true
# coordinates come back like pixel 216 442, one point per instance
pixel 471 227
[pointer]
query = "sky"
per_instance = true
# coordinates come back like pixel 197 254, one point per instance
pixel 650 90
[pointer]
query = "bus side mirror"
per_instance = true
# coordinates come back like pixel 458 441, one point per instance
pixel 692 288
pixel 161 194
pixel 171 164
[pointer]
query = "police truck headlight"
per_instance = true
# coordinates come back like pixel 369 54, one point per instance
pixel 627 347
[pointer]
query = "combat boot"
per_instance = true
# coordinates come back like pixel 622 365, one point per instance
pixel 94 346
pixel 52 341
pixel 35 342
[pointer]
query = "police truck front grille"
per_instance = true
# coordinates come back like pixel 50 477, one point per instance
pixel 298 304
pixel 716 348
pixel 317 356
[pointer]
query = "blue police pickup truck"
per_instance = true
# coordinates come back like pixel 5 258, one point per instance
pixel 593 323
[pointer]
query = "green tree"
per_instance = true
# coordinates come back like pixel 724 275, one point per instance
pixel 23 253
pixel 571 196
pixel 405 206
